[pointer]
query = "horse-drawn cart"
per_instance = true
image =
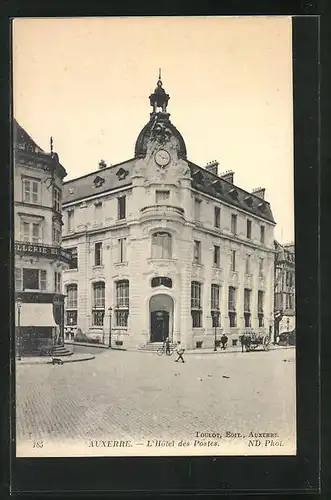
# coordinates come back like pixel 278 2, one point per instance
pixel 252 341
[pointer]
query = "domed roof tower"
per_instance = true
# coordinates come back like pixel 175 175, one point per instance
pixel 159 102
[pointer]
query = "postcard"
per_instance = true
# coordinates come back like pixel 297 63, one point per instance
pixel 154 236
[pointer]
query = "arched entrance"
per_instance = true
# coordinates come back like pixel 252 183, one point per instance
pixel 161 309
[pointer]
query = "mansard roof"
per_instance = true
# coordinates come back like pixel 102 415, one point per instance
pixel 221 189
pixel 99 181
pixel 120 175
pixel 28 151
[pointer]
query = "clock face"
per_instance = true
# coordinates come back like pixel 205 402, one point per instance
pixel 162 157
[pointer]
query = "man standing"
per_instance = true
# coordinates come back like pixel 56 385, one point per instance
pixel 180 351
pixel 167 346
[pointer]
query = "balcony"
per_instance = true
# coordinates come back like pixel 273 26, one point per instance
pixel 168 212
pixel 44 251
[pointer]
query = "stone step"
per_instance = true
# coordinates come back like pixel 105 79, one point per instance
pixel 61 351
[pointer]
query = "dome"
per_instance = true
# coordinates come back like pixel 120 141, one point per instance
pixel 145 134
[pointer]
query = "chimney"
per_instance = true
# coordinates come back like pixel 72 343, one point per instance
pixel 102 164
pixel 259 192
pixel 212 166
pixel 228 176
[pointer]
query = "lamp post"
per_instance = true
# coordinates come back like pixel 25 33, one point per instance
pixel 109 341
pixel 215 316
pixel 18 346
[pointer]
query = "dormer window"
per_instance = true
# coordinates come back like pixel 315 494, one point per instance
pixel 98 181
pixel 122 174
pixel 198 177
pixel 249 201
pixel 234 194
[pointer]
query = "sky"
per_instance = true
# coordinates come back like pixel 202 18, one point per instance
pixel 86 83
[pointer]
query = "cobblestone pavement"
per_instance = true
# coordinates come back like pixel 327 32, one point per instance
pixel 130 395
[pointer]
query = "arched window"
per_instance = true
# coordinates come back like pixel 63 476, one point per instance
pixel 71 305
pixel 161 280
pixel 98 308
pixel 161 245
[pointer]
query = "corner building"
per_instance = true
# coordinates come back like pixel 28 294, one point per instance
pixel 39 257
pixel 172 248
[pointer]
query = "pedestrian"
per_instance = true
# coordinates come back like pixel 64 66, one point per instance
pixel 180 351
pixel 167 346
pixel 242 339
pixel 224 340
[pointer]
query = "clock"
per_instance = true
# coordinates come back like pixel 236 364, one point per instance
pixel 162 157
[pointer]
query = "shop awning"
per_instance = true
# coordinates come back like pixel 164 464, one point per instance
pixel 35 315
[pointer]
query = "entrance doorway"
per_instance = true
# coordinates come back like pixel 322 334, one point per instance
pixel 161 317
pixel 159 326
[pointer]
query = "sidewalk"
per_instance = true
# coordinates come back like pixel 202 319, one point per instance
pixel 47 360
pixel 232 349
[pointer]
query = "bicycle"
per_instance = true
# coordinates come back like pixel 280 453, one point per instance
pixel 162 350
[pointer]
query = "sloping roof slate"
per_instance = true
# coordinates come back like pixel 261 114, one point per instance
pixel 83 187
pixel 219 188
pixel 202 180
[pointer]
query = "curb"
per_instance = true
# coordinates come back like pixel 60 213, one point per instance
pixel 38 361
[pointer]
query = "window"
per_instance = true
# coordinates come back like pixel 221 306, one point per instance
pixel 197 252
pixel 215 305
pixel 18 279
pixel 262 234
pixel 122 303
pixel 162 196
pixel 161 280
pixel 74 258
pixel 247 307
pixel 98 311
pixel 71 305
pixel 248 264
pixel 260 299
pixel 56 234
pixel 161 246
pixel 31 191
pixel 233 224
pixel 261 267
pixel 121 242
pixel 98 212
pixel 31 232
pixel 70 221
pixel 196 310
pixel 57 282
pixel 217 216
pixel 289 301
pixel 232 307
pixel 121 207
pixel 233 260
pixel 56 199
pixel 216 255
pixel 197 209
pixel 249 229
pixel 98 254
pixel 34 279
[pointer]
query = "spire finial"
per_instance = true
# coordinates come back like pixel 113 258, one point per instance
pixel 51 144
pixel 159 73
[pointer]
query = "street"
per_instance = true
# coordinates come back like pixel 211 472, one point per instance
pixel 141 396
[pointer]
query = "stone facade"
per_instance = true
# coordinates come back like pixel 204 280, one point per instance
pixel 39 257
pixel 174 225
pixel 284 288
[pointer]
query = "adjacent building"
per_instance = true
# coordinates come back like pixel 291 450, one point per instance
pixel 284 288
pixel 162 247
pixel 39 257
